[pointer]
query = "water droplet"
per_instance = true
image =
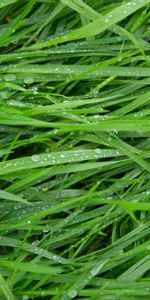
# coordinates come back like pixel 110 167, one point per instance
pixel 35 158
pixel 106 20
pixel 35 90
pixel 25 297
pixel 96 116
pixel 72 293
pixel 10 77
pixel 28 80
pixel 45 230
pixel 76 154
pixel 97 151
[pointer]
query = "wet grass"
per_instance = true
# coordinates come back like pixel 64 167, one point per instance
pixel 74 150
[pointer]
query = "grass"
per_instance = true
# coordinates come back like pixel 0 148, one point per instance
pixel 74 150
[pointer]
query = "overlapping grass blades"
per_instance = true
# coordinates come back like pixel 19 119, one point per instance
pixel 74 150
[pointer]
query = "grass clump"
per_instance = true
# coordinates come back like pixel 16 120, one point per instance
pixel 74 150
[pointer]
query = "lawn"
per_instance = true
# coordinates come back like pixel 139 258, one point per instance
pixel 74 149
